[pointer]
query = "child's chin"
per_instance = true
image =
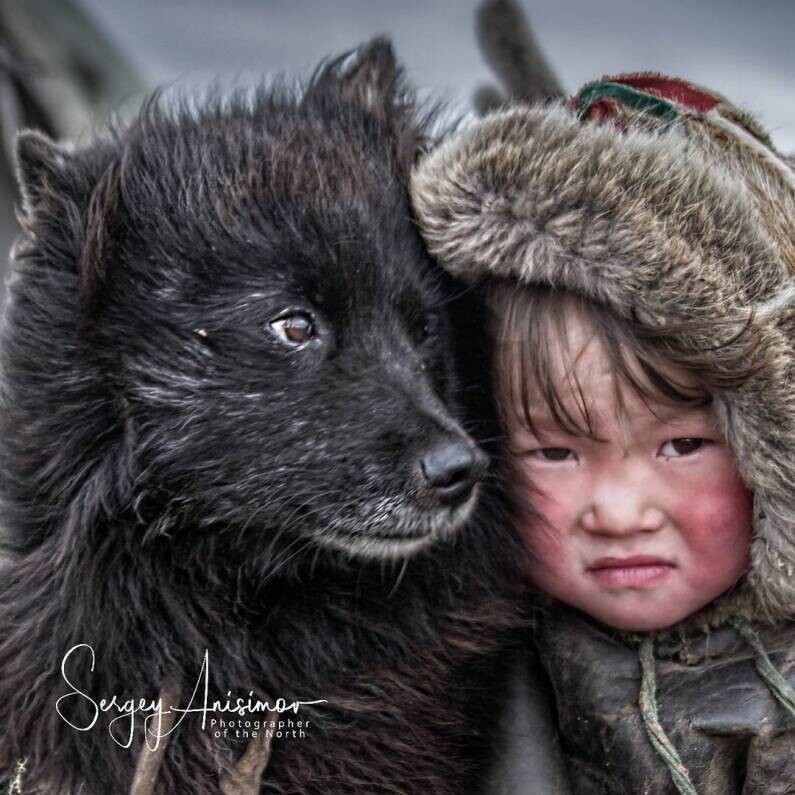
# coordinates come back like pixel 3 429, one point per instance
pixel 638 620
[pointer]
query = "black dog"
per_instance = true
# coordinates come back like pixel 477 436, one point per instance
pixel 229 424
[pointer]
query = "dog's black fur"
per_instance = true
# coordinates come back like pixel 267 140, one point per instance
pixel 181 473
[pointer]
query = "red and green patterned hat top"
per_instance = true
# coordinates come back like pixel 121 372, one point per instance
pixel 670 101
pixel 646 91
pixel 667 98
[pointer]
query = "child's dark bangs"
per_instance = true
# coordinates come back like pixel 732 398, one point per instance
pixel 529 326
pixel 530 331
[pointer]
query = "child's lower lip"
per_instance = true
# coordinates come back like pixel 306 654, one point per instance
pixel 636 576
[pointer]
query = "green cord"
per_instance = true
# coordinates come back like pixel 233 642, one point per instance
pixel 778 685
pixel 651 721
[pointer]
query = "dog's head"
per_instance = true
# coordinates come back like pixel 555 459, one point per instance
pixel 223 325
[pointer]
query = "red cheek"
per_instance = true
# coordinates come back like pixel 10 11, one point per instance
pixel 540 527
pixel 715 522
pixel 711 512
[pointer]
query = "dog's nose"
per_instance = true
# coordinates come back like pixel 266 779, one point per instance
pixel 452 469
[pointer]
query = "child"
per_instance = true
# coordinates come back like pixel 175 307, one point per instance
pixel 642 242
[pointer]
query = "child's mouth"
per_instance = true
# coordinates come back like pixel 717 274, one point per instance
pixel 639 571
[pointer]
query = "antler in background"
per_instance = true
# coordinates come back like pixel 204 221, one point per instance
pixel 507 42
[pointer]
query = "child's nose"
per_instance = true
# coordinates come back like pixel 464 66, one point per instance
pixel 621 509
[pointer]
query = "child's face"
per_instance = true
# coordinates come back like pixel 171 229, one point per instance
pixel 643 528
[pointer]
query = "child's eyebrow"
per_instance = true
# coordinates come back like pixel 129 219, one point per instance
pixel 543 425
pixel 674 416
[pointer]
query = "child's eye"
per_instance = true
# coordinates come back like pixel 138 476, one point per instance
pixel 553 454
pixel 675 448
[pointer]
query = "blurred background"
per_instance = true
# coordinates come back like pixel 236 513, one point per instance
pixel 67 65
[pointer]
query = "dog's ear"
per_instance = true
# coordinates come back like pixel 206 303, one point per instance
pixel 42 170
pixel 72 197
pixel 55 179
pixel 370 78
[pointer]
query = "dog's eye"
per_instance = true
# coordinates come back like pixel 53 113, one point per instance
pixel 294 329
pixel 423 328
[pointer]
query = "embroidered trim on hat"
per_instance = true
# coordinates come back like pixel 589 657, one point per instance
pixel 671 88
pixel 656 106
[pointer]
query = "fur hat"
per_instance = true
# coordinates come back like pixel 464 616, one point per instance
pixel 666 203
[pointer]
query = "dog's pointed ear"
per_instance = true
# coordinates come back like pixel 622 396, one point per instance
pixel 74 196
pixel 370 77
pixel 43 170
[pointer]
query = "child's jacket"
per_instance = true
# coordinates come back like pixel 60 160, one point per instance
pixel 719 715
pixel 668 205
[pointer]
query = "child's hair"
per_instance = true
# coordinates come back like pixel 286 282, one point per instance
pixel 534 359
